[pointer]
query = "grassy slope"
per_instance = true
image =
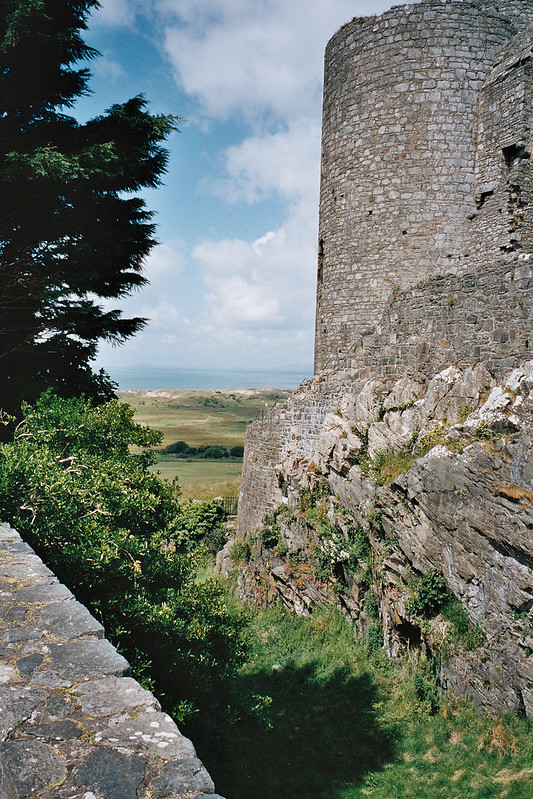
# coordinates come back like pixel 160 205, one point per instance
pixel 346 725
pixel 202 417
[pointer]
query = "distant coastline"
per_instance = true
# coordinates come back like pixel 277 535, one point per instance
pixel 151 378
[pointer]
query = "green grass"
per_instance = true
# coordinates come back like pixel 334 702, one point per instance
pixel 343 724
pixel 201 417
pixel 203 479
pixel 211 418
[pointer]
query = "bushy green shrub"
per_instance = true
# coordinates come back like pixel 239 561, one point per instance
pixel 241 551
pixel 215 453
pixel 178 448
pixel 370 605
pixel 201 523
pixel 116 535
pixel 425 684
pixel 429 595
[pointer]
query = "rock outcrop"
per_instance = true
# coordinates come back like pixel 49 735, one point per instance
pixel 411 508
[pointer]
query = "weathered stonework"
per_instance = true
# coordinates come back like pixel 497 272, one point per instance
pixel 425 156
pixel 424 307
pixel 73 725
pixel 460 502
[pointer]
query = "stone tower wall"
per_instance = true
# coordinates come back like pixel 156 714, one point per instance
pixel 504 179
pixel 399 179
pixel 483 316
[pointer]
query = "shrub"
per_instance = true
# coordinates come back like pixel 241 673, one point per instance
pixel 425 684
pixel 237 452
pixel 429 595
pixel 241 551
pixel 215 453
pixel 374 637
pixel 201 522
pixel 370 604
pixel 116 535
pixel 178 448
pixel 270 535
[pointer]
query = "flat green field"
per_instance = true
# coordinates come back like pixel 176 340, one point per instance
pixel 208 418
pixel 203 479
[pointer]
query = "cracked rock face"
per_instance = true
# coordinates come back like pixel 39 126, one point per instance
pixel 447 470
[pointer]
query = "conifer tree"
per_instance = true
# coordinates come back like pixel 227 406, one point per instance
pixel 72 231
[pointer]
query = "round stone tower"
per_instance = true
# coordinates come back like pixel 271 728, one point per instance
pixel 398 157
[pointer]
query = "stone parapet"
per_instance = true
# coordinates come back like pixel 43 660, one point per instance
pixel 73 725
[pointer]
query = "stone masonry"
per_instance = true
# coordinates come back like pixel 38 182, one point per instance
pixel 426 226
pixel 73 725
pixel 425 156
pixel 425 268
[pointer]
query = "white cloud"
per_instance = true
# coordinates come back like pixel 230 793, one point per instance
pixel 107 68
pixel 265 287
pixel 262 62
pixel 164 269
pixel 258 63
pixel 286 162
pixel 254 57
pixel 116 13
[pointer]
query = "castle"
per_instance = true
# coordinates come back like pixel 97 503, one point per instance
pixel 425 157
pixel 425 266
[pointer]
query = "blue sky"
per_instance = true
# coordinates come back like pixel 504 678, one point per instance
pixel 232 283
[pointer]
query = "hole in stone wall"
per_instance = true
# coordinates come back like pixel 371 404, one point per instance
pixel 320 260
pixel 482 198
pixel 514 153
pixel 404 233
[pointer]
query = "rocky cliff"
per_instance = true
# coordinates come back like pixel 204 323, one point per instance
pixel 410 506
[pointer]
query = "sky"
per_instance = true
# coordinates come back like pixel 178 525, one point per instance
pixel 232 282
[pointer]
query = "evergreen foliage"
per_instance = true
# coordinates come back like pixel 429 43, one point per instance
pixel 71 231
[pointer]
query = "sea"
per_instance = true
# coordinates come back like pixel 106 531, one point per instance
pixel 150 378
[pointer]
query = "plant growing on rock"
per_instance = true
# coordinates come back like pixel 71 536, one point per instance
pixel 429 594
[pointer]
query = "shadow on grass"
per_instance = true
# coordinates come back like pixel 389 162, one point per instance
pixel 324 736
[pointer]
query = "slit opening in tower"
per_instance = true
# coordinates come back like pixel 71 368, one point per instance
pixel 320 260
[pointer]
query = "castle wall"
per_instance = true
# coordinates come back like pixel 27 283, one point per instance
pixel 484 316
pixel 399 158
pixel 504 179
pixel 295 423
pixel 425 262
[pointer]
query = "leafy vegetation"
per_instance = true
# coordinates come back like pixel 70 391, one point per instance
pixel 181 449
pixel 288 706
pixel 118 537
pixel 429 594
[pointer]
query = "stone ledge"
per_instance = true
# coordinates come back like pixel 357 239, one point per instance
pixel 73 725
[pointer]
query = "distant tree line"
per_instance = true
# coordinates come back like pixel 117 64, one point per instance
pixel 180 449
